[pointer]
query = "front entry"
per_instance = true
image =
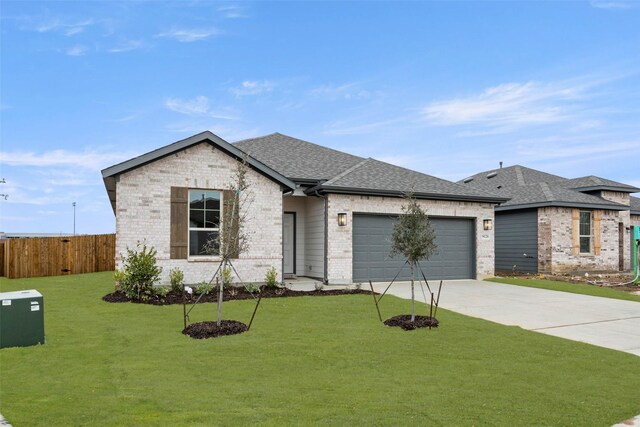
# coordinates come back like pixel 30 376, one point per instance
pixel 289 244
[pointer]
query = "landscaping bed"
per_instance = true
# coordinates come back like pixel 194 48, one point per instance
pixel 230 293
pixel 404 322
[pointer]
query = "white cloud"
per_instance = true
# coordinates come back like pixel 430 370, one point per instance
pixel 127 46
pixel 513 104
pixel 86 160
pixel 77 50
pixel 233 11
pixel 69 29
pixel 613 4
pixel 253 87
pixel 191 107
pixel 199 107
pixel 190 35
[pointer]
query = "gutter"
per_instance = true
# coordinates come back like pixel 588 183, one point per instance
pixel 562 205
pixel 397 193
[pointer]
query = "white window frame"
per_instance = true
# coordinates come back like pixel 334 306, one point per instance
pixel 589 236
pixel 210 229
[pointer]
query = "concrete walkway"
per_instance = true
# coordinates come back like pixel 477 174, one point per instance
pixel 604 322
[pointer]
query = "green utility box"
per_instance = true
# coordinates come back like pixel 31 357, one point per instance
pixel 636 232
pixel 21 318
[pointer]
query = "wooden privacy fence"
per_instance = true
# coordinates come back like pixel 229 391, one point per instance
pixel 57 256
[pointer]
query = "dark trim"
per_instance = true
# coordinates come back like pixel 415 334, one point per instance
pixel 397 193
pixel 295 231
pixel 563 205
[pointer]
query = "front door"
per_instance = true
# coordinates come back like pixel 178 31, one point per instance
pixel 289 244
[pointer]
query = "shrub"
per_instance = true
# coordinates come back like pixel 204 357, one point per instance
pixel 226 276
pixel 176 277
pixel 161 291
pixel 252 288
pixel 119 278
pixel 271 278
pixel 140 272
pixel 203 288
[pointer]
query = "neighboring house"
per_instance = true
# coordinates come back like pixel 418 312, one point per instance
pixel 635 211
pixel 316 212
pixel 552 224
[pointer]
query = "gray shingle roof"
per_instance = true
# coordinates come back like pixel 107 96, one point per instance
pixel 334 171
pixel 297 159
pixel 375 177
pixel 592 182
pixel 530 188
pixel 507 178
pixel 635 205
pixel 555 195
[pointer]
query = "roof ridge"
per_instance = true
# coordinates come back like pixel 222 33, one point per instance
pixel 301 140
pixel 547 191
pixel 519 175
pixel 347 171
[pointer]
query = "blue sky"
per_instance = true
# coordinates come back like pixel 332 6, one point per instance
pixel 446 88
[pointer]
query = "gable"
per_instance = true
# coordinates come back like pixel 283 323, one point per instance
pixel 111 174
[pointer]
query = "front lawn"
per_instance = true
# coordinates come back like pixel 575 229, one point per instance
pixel 306 360
pixel 575 288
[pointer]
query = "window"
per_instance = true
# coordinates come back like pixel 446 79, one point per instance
pixel 204 222
pixel 585 232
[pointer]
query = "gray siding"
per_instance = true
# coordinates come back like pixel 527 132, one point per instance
pixel 371 245
pixel 516 235
pixel 298 205
pixel 314 239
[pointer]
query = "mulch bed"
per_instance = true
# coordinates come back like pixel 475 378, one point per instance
pixel 230 294
pixel 404 321
pixel 203 330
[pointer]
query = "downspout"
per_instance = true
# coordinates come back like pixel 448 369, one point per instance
pixel 325 279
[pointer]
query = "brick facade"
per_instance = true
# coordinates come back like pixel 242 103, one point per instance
pixel 339 263
pixel 555 243
pixel 143 211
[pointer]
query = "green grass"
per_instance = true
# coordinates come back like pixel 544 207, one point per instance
pixel 306 360
pixel 574 288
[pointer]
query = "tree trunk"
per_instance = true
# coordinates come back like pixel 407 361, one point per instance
pixel 413 297
pixel 220 290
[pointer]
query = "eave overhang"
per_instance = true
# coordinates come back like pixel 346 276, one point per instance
pixel 322 189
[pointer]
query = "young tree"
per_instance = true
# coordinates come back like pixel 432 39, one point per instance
pixel 414 238
pixel 233 239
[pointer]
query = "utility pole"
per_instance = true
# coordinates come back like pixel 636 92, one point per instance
pixel 74 218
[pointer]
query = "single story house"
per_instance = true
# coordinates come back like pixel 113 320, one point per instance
pixel 552 224
pixel 314 211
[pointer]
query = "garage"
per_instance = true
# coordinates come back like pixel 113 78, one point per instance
pixel 371 246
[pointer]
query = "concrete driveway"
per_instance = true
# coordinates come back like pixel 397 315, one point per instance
pixel 599 321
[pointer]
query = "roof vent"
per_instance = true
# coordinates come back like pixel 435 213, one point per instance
pixel 468 179
pixel 499 187
pixel 492 174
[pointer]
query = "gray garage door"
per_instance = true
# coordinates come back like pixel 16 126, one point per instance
pixel 371 245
